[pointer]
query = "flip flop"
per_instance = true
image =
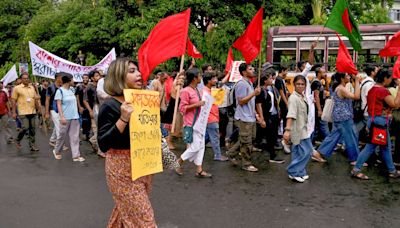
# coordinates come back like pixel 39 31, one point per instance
pixel 57 156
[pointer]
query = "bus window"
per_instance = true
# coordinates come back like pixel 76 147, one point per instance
pixel 285 56
pixel 318 55
pixel 332 59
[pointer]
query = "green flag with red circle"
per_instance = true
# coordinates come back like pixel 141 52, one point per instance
pixel 342 21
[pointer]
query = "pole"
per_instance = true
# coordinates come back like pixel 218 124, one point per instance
pixel 259 64
pixel 177 96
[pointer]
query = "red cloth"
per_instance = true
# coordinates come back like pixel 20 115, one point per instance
pixel 167 39
pixel 192 50
pixel 168 87
pixel 396 68
pixel 392 48
pixel 344 63
pixel 249 43
pixel 229 61
pixel 3 103
pixel 376 100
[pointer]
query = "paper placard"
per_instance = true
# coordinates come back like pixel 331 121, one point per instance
pixel 201 122
pixel 235 74
pixel 145 132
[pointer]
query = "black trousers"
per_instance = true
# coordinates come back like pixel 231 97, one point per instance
pixel 270 133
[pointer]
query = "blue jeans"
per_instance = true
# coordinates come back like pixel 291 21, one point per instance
pixel 212 135
pixel 370 148
pixel 321 129
pixel 301 154
pixel 341 130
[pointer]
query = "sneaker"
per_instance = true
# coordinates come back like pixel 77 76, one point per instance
pixel 10 140
pixel 53 144
pixel 298 179
pixel 396 164
pixel 306 177
pixel 250 168
pixel 78 159
pixel 221 158
pixel 34 148
pixel 277 160
pixel 286 147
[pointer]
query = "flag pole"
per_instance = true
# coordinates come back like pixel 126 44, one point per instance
pixel 177 96
pixel 259 64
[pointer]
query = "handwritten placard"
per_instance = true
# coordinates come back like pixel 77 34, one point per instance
pixel 235 74
pixel 219 95
pixel 145 132
pixel 201 122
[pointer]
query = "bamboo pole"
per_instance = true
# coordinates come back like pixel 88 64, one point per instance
pixel 259 64
pixel 177 96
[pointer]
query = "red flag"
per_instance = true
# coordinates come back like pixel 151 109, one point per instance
pixel 229 61
pixel 192 50
pixel 249 43
pixel 167 39
pixel 344 63
pixel 392 48
pixel 396 69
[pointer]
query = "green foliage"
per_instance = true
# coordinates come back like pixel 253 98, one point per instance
pixel 377 14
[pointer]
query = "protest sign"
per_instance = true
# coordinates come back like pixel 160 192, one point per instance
pixel 219 95
pixel 145 132
pixel 201 122
pixel 10 76
pixel 235 74
pixel 23 68
pixel 46 64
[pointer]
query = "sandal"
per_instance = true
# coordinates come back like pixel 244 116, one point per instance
pixel 179 171
pixel 359 175
pixel 203 174
pixel 395 174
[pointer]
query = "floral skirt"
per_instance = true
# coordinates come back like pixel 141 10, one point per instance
pixel 132 204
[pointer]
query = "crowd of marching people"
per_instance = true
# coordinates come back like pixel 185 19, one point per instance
pixel 356 113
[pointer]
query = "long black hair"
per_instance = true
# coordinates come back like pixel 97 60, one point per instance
pixel 382 74
pixel 337 79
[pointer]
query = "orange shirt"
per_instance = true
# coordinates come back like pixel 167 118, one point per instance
pixel 214 113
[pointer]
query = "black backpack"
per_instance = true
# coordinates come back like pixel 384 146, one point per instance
pixel 358 111
pixel 232 101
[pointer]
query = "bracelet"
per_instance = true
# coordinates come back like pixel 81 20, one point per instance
pixel 124 120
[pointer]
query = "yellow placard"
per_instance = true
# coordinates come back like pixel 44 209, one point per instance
pixel 145 132
pixel 218 95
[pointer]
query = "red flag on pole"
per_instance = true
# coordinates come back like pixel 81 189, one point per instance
pixel 250 41
pixel 392 48
pixel 167 39
pixel 396 69
pixel 192 50
pixel 344 63
pixel 229 61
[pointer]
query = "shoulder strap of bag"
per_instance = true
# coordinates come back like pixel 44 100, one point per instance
pixel 197 109
pixel 366 103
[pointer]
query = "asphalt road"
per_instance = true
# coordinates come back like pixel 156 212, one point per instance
pixel 38 191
